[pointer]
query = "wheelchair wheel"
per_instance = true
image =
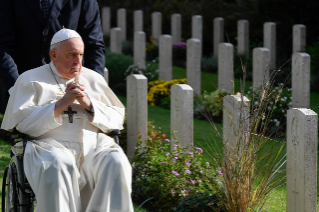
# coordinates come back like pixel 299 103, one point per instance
pixel 10 199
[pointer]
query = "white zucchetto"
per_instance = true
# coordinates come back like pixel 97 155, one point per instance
pixel 64 34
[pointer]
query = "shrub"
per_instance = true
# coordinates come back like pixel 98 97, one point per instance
pixel 210 105
pixel 151 50
pixel 151 71
pixel 160 92
pixel 313 51
pixel 179 54
pixel 209 64
pixel 171 176
pixel 117 64
pixel 277 112
pixel 127 48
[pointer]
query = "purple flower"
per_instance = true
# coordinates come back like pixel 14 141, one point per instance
pixel 201 172
pixel 175 158
pixel 180 45
pixel 190 153
pixel 220 173
pixel 168 153
pixel 174 172
pixel 173 192
pixel 200 149
pixel 199 181
pixel 175 145
pixel 220 183
pixel 214 159
pixel 167 140
pixel 188 164
pixel 174 208
pixel 196 152
pixel 192 181
pixel 177 185
pixel 164 162
pixel 187 171
pixel 207 163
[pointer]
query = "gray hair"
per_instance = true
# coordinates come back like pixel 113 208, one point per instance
pixel 55 46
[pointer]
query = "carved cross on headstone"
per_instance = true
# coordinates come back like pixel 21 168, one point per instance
pixel 70 113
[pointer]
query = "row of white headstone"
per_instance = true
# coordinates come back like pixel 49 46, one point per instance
pixel 298 43
pixel 261 65
pixel 302 135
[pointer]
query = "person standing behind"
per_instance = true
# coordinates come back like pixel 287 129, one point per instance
pixel 27 27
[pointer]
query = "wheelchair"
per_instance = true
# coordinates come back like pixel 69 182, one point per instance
pixel 17 195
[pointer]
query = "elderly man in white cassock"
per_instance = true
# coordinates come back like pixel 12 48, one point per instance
pixel 66 109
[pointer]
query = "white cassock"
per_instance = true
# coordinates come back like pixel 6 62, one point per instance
pixel 71 166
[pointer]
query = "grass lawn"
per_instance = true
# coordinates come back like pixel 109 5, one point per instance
pixel 203 133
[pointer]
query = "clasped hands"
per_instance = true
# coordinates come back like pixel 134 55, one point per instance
pixel 74 91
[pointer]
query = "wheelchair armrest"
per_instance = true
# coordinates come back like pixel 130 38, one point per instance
pixel 115 135
pixel 114 132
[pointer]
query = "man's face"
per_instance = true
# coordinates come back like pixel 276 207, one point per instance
pixel 68 58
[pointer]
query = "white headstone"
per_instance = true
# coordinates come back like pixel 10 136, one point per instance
pixel 176 28
pixel 235 119
pixel 197 27
pixel 218 34
pixel 121 22
pixel 165 57
pixel 300 80
pixel 194 49
pixel 116 41
pixel 261 57
pixel 139 49
pixel 243 37
pixel 299 38
pixel 138 20
pixel 156 26
pixel 225 66
pixel 106 75
pixel 136 111
pixel 182 114
pixel 302 150
pixel 106 20
pixel 270 42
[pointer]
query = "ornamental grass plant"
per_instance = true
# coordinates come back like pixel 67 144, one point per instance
pixel 250 170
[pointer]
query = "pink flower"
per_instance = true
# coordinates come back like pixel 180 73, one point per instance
pixel 192 181
pixel 175 158
pixel 187 171
pixel 200 149
pixel 174 208
pixel 175 145
pixel 174 172
pixel 207 163
pixel 199 181
pixel 164 162
pixel 220 183
pixel 188 164
pixel 220 173
pixel 173 192
pixel 190 153
pixel 167 140
pixel 168 153
pixel 214 159
pixel 201 172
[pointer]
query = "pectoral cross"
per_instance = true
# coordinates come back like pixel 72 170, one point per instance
pixel 70 113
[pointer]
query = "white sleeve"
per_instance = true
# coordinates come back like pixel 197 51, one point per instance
pixel 107 117
pixel 40 121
